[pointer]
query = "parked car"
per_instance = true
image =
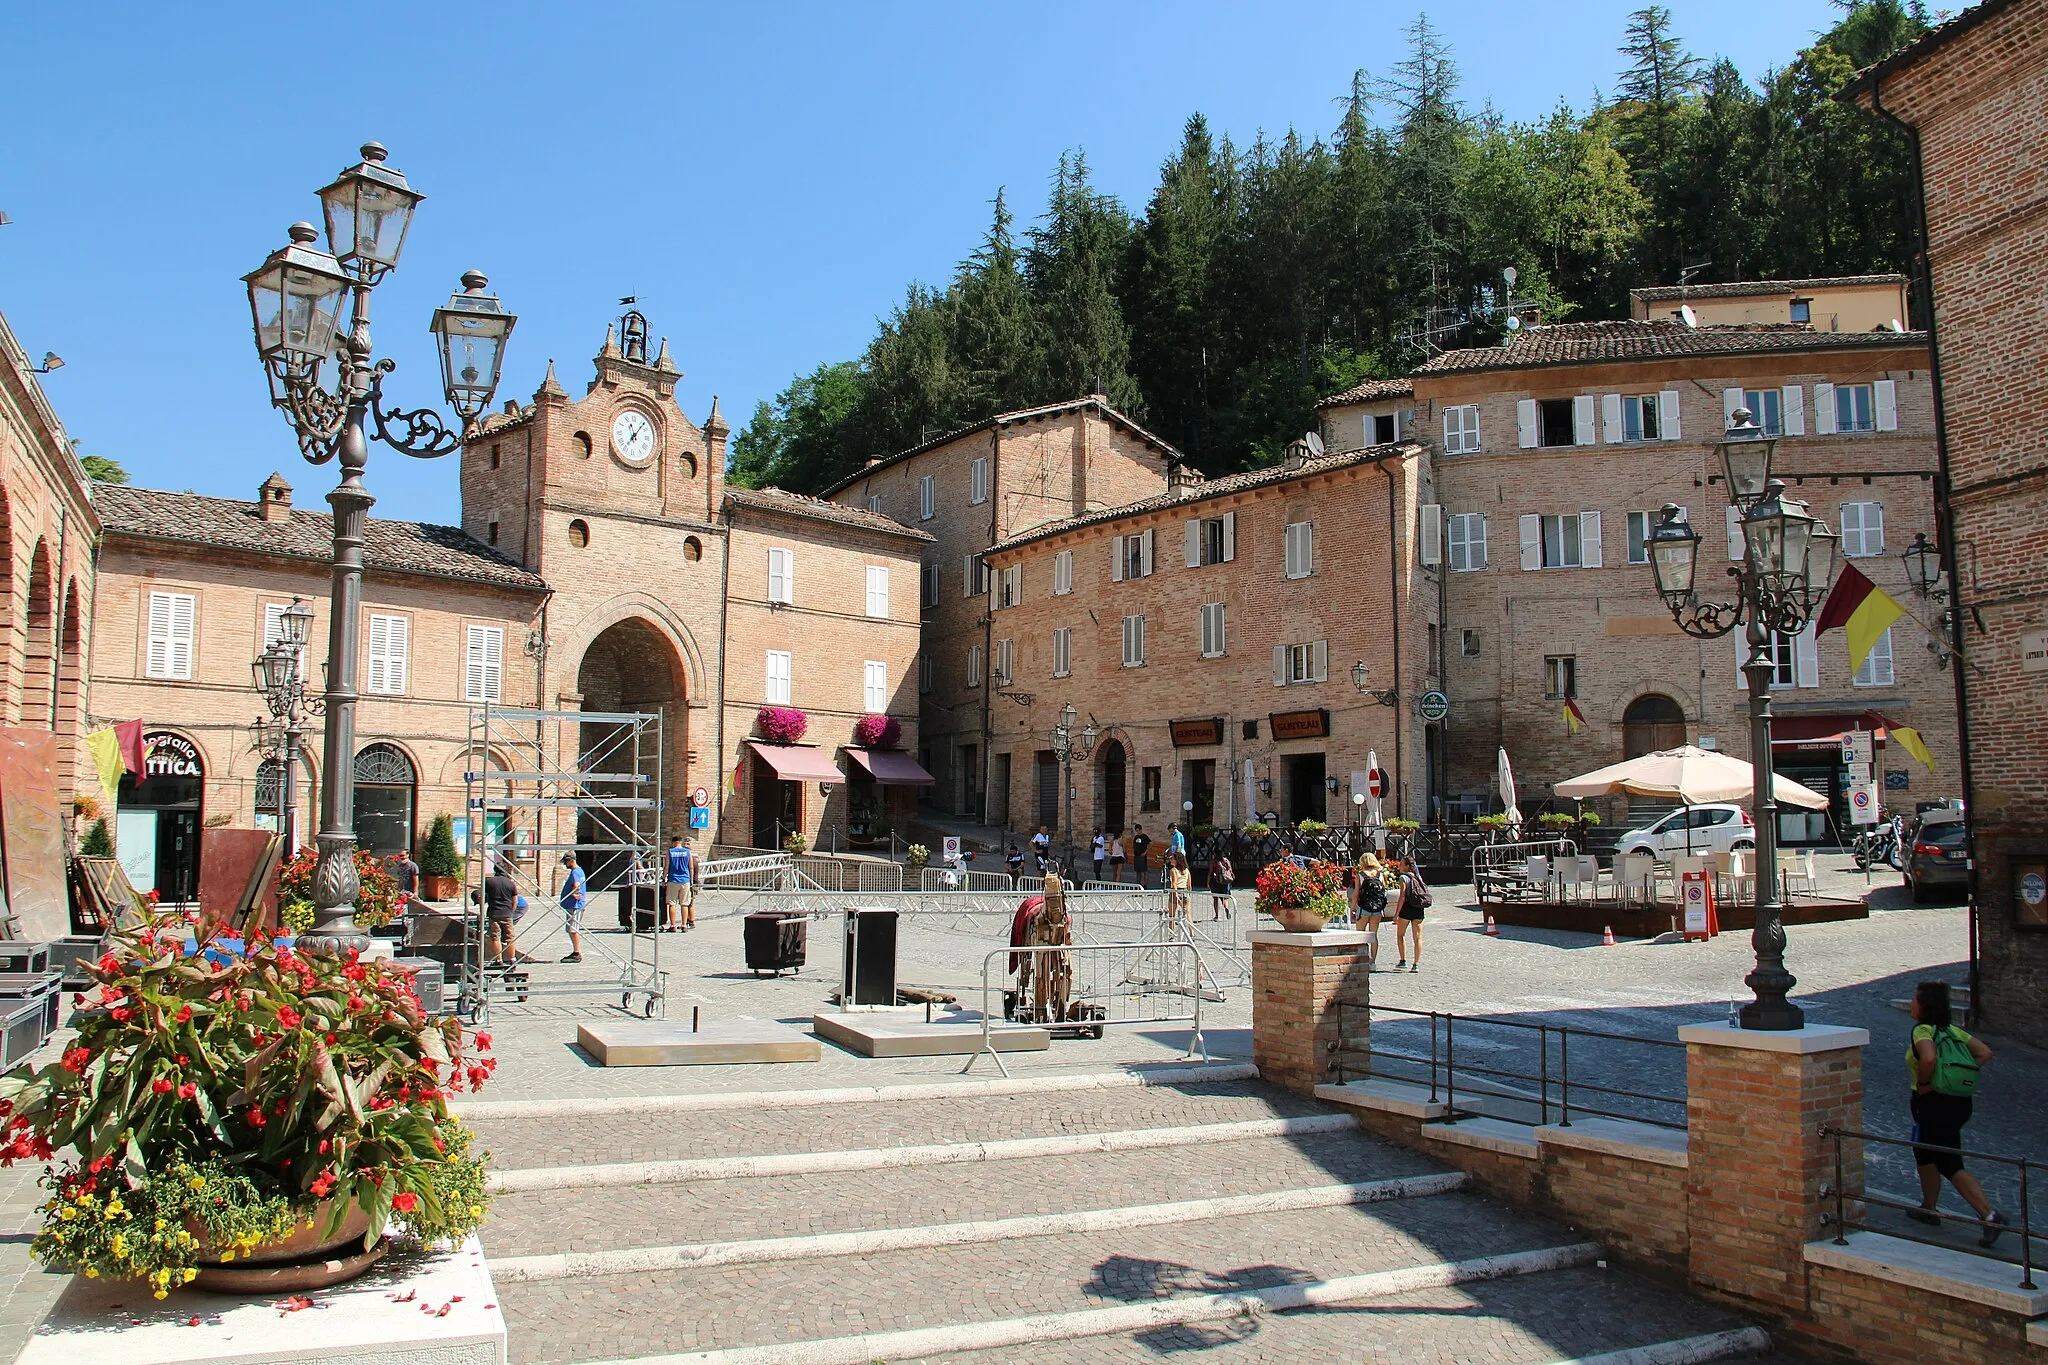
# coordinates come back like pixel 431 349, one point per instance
pixel 1720 828
pixel 1940 858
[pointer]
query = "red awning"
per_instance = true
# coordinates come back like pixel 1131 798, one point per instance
pixel 890 768
pixel 798 762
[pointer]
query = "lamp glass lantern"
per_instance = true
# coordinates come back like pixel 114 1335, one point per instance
pixel 1674 554
pixel 1778 536
pixel 295 300
pixel 368 208
pixel 1746 451
pixel 1361 676
pixel 1923 562
pixel 1820 563
pixel 274 668
pixel 471 332
pixel 295 624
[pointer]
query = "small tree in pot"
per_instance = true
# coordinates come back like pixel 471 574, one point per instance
pixel 440 862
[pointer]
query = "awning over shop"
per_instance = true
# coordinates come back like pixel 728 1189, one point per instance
pixel 890 768
pixel 798 762
pixel 1818 733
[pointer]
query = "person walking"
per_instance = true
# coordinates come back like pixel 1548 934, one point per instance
pixel 1041 847
pixel 1116 855
pixel 679 890
pixel 1180 884
pixel 406 873
pixel 575 895
pixel 1141 846
pixel 1942 1063
pixel 1176 840
pixel 1376 885
pixel 500 897
pixel 1408 921
pixel 1098 852
pixel 1221 876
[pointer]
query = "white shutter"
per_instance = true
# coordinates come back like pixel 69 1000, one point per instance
pixel 1735 546
pixel 184 608
pixel 1279 665
pixel 1525 422
pixel 1062 651
pixel 1589 540
pixel 1873 528
pixel 1584 432
pixel 1610 416
pixel 1731 399
pixel 1532 541
pixel 1805 658
pixel 1319 661
pixel 1877 665
pixel 1885 395
pixel 1063 572
pixel 1455 549
pixel 158 661
pixel 1852 530
pixel 484 663
pixel 1191 544
pixel 974 665
pixel 1432 533
pixel 1116 559
pixel 398 663
pixel 1793 409
pixel 874 686
pixel 878 590
pixel 1824 409
pixel 380 650
pixel 1667 414
pixel 1476 549
pixel 780 562
pixel 1229 537
pixel 1145 554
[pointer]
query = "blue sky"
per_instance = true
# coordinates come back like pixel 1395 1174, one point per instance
pixel 766 178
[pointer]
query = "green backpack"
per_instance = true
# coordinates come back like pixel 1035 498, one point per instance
pixel 1955 1066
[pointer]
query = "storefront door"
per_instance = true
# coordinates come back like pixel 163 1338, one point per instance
pixel 158 818
pixel 1306 797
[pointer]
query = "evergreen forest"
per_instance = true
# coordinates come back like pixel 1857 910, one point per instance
pixel 1260 278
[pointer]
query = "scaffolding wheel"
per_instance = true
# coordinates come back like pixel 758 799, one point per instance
pixel 648 1012
pixel 626 1001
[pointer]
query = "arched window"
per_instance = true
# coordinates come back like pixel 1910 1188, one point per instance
pixel 1651 723
pixel 386 788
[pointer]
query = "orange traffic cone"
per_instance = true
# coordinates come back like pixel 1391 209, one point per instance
pixel 1608 937
pixel 1492 929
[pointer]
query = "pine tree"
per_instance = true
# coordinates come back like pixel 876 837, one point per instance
pixel 1660 78
pixel 992 325
pixel 1083 344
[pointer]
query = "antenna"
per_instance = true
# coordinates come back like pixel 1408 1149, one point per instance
pixel 1514 323
pixel 1686 272
pixel 1687 316
pixel 1314 442
pixel 1510 276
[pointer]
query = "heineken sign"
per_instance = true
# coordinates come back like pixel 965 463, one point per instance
pixel 1433 705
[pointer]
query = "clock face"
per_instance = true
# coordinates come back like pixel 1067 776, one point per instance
pixel 633 437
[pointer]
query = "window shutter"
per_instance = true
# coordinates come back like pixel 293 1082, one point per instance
pixel 1319 661
pixel 399 663
pixel 1476 550
pixel 183 619
pixel 1455 550
pixel 1116 559
pixel 158 663
pixel 1432 533
pixel 1191 544
pixel 1885 397
pixel 1852 530
pixel 1229 537
pixel 1063 572
pixel 1735 546
pixel 1667 414
pixel 1805 659
pixel 473 664
pixel 380 649
pixel 1589 540
pixel 1279 665
pixel 1610 416
pixel 1532 541
pixel 967 575
pixel 1794 410
pixel 1525 422
pixel 1308 547
pixel 974 665
pixel 1731 399
pixel 1824 409
pixel 1145 553
pixel 1584 432
pixel 1873 528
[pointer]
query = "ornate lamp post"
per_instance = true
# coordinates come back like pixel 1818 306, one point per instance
pixel 296 299
pixel 1068 745
pixel 277 672
pixel 1788 562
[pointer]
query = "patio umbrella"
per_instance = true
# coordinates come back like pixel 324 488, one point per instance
pixel 1691 775
pixel 1507 793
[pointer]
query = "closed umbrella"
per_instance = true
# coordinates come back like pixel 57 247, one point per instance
pixel 1372 803
pixel 1507 793
pixel 1688 774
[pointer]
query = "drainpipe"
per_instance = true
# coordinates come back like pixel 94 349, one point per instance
pixel 1944 515
pixel 988 632
pixel 1394 601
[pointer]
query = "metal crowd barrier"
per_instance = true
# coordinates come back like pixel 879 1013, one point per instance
pixel 1116 979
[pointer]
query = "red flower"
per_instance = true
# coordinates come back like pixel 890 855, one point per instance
pixel 257 1118
pixel 122 1014
pixel 184 1016
pixel 187 1091
pixel 483 1042
pixel 288 1016
pixel 77 1059
pixel 405 1202
pixel 323 1184
pixel 183 1060
pixel 99 1164
pixel 354 971
pixel 160 1086
pixel 324 1145
pixel 381 1102
pixel 355 1002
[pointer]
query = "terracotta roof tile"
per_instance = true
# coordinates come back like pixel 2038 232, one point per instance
pixel 803 505
pixel 1371 391
pixel 1678 293
pixel 1584 343
pixel 409 547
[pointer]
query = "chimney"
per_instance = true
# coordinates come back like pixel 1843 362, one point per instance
pixel 274 499
pixel 1297 455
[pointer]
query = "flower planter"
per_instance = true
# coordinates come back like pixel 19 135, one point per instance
pixel 1299 919
pixel 310 1258
pixel 440 888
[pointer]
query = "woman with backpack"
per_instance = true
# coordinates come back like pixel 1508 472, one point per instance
pixel 1942 1063
pixel 1221 877
pixel 1414 900
pixel 1375 885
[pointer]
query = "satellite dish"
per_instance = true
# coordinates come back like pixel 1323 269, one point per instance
pixel 1687 316
pixel 1314 442
pixel 1514 323
pixel 1510 276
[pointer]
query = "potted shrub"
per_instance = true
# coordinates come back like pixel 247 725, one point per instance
pixel 249 1120
pixel 874 731
pixel 1400 835
pixel 440 862
pixel 97 843
pixel 782 724
pixel 796 844
pixel 1302 898
pixel 378 900
pixel 1257 829
pixel 1312 828
pixel 917 855
pixel 1557 822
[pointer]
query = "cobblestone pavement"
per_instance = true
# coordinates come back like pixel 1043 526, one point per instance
pixel 530 1222
pixel 610 1316
pixel 1562 1315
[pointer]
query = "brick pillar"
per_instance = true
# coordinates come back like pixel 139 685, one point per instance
pixel 1756 1163
pixel 1297 982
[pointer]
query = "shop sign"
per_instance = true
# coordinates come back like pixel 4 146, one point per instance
pixel 1194 733
pixel 1301 724
pixel 1897 779
pixel 169 755
pixel 2034 652
pixel 1433 705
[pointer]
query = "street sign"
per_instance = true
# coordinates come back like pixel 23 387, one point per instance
pixel 949 848
pixel 1433 705
pixel 700 817
pixel 1863 804
pixel 1376 783
pixel 1856 748
pixel 700 797
pixel 1897 780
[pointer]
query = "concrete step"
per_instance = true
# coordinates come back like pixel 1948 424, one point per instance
pixel 528 1140
pixel 783 1302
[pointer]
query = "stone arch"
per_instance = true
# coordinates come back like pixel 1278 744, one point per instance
pixel 38 660
pixel 70 689
pixel 633 665
pixel 626 606
pixel 1651 722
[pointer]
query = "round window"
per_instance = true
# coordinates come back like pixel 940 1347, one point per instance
pixel 579 533
pixel 693 549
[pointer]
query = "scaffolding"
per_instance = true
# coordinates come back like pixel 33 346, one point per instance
pixel 546 783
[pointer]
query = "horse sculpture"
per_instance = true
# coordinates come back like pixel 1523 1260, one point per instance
pixel 1044 980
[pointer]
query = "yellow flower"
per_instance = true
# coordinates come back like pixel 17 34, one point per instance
pixel 190 1275
pixel 68 1213
pixel 115 1209
pixel 476 1210
pixel 159 1225
pixel 120 1244
pixel 198 1182
pixel 92 1272
pixel 163 1293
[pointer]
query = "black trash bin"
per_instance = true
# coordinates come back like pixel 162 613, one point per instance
pixel 775 943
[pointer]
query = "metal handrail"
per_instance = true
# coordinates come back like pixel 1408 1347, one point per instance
pixel 1444 1061
pixel 1843 1224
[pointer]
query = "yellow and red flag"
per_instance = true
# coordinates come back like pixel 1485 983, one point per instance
pixel 1863 610
pixel 1574 718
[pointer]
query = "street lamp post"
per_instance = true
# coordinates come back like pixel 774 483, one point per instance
pixel 1787 565
pixel 1068 745
pixel 279 678
pixel 296 298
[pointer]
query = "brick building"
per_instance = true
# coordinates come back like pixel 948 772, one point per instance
pixel 1210 632
pixel 47 531
pixel 1552 455
pixel 1971 93
pixel 971 489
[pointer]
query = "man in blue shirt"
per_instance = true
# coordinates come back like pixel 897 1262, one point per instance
pixel 575 889
pixel 679 893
